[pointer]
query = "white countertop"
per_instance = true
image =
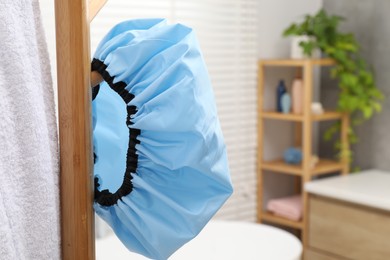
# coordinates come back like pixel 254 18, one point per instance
pixel 369 188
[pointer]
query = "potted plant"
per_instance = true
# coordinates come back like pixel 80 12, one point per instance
pixel 359 95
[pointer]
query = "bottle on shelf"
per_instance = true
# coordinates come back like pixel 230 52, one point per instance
pixel 297 95
pixel 286 103
pixel 280 90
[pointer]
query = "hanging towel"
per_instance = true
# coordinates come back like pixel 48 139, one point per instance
pixel 29 195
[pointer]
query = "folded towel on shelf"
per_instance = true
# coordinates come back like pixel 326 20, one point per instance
pixel 287 207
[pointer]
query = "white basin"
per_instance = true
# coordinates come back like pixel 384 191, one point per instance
pixel 225 240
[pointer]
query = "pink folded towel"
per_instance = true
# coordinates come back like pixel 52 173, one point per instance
pixel 287 207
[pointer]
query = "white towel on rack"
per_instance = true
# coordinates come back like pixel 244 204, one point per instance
pixel 29 194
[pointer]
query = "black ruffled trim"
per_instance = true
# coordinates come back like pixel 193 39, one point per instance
pixel 95 91
pixel 105 197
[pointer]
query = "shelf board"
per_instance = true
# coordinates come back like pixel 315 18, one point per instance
pixel 268 216
pixel 282 167
pixel 324 166
pixel 282 116
pixel 327 115
pixel 297 62
pixel 327 166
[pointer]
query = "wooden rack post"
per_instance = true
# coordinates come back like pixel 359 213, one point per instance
pixel 74 100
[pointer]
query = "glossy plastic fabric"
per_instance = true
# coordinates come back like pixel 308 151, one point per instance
pixel 182 175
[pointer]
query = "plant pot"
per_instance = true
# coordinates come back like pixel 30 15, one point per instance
pixel 297 50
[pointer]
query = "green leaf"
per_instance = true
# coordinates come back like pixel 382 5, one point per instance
pixel 308 47
pixel 347 46
pixel 377 107
pixel 367 111
pixel 331 131
pixel 292 30
pixel 349 79
pixel 352 138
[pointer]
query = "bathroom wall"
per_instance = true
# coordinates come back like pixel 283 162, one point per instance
pixel 274 17
pixel 370 22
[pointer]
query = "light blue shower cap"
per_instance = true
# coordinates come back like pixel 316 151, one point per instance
pixel 161 170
